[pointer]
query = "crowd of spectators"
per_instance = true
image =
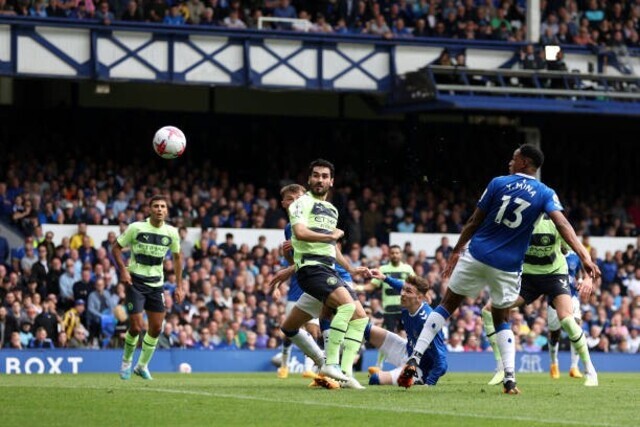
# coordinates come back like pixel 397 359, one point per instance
pixel 69 295
pixel 578 22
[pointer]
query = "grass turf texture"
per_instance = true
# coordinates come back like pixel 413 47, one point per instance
pixel 262 399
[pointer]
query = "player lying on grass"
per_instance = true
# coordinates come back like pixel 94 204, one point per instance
pixel 396 349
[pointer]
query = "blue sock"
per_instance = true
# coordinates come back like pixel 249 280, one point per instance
pixel 374 379
pixel 442 311
pixel 367 331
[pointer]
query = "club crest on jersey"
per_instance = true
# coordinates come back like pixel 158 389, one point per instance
pixel 332 281
pixel 165 241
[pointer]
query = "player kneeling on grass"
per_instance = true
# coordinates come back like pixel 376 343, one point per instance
pixel 396 349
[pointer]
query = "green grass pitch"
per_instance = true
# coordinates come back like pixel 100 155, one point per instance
pixel 263 400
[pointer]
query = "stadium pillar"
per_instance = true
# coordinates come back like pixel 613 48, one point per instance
pixel 533 21
pixel 532 136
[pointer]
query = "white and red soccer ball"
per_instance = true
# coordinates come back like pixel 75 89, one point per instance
pixel 169 142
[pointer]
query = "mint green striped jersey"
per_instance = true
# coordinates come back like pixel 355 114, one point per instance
pixel 544 255
pixel 149 245
pixel 319 216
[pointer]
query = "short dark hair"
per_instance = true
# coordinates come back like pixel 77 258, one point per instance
pixel 321 163
pixel 533 153
pixel 395 247
pixel 156 198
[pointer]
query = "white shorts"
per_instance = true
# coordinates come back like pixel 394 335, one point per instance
pixel 471 276
pixel 309 305
pixel 553 322
pixel 394 349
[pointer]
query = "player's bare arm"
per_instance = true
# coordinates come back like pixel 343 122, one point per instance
pixel 569 235
pixel 280 277
pixel 177 262
pixel 465 235
pixel 124 273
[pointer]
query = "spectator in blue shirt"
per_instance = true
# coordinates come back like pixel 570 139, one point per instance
pixel 103 14
pixel 174 17
pixel 41 340
pixel 284 10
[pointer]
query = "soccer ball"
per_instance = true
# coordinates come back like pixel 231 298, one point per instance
pixel 184 368
pixel 169 142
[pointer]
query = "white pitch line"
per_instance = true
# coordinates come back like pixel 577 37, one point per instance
pixel 331 404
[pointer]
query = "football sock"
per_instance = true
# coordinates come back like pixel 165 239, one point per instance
pixel 130 343
pixel 374 379
pixel 553 351
pixel 325 324
pixel 507 346
pixel 432 326
pixel 575 357
pixel 286 352
pixel 380 361
pixel 576 336
pixel 352 343
pixel 308 345
pixel 337 330
pixel 490 330
pixel 308 363
pixel 148 347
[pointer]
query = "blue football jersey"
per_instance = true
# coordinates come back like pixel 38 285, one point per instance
pixel 295 291
pixel 434 361
pixel 574 264
pixel 513 204
pixel 344 274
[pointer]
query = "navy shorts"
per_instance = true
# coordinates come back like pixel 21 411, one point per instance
pixel 319 281
pixel 144 297
pixel 534 285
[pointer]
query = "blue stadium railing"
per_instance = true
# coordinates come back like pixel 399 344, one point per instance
pixel 82 50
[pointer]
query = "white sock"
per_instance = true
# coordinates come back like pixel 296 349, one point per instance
pixel 308 345
pixel 507 345
pixel 126 365
pixel 553 352
pixel 432 326
pixel 575 357
pixel 286 354
pixel 308 363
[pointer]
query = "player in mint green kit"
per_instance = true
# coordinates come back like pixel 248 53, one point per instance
pixel 545 272
pixel 149 241
pixel 313 221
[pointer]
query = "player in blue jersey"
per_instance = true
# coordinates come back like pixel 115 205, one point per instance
pixel 396 349
pixel 545 272
pixel 498 234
